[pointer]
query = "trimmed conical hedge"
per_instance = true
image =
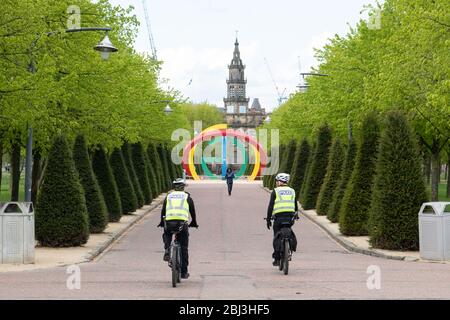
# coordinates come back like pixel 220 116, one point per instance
pixel 128 198
pixel 165 166
pixel 349 163
pixel 318 168
pixel 137 154
pixel 274 162
pixel 172 169
pixel 151 177
pixel 334 170
pixel 289 157
pixel 399 188
pixel 126 153
pixel 105 178
pixel 95 203
pixel 299 166
pixel 152 155
pixel 353 215
pixel 308 169
pixel 61 213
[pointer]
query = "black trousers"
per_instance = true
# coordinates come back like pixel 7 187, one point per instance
pixel 230 187
pixel 280 219
pixel 183 240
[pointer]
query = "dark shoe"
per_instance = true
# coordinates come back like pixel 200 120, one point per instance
pixel 166 255
pixel 185 275
pixel 276 263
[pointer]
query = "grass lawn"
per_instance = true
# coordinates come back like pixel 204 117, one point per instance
pixel 5 194
pixel 442 192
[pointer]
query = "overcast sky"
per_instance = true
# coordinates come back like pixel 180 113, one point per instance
pixel 195 39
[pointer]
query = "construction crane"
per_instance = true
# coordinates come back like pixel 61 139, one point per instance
pixel 281 95
pixel 149 31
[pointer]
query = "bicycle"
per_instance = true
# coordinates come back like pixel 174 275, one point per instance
pixel 285 252
pixel 175 255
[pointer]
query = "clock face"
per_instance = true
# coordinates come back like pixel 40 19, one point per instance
pixel 234 74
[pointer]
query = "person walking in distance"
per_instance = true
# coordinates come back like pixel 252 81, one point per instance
pixel 229 176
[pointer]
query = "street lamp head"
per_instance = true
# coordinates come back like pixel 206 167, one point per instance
pixel 105 47
pixel 168 110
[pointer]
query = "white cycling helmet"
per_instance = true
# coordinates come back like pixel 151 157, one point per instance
pixel 283 177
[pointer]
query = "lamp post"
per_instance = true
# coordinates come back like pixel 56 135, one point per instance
pixel 167 110
pixel 304 74
pixel 105 47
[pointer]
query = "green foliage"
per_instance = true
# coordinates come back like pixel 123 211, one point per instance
pixel 128 198
pixel 137 154
pixel 353 215
pixel 61 213
pixel 105 178
pixel 153 157
pixel 317 172
pixel 126 153
pixel 399 189
pixel 299 166
pixel 152 179
pixel 207 113
pixel 95 203
pixel 164 163
pixel 338 194
pixel 288 157
pixel 334 170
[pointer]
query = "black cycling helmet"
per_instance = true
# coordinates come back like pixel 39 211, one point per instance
pixel 178 184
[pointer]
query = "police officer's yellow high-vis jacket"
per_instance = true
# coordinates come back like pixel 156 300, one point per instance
pixel 284 200
pixel 177 207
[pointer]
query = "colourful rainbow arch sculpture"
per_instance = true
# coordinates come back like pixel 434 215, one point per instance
pixel 217 131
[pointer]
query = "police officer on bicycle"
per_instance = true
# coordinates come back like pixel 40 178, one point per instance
pixel 175 212
pixel 283 208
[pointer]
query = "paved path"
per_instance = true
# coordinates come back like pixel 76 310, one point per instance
pixel 231 259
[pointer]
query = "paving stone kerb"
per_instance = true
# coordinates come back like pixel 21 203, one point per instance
pixel 47 257
pixel 114 236
pixel 347 244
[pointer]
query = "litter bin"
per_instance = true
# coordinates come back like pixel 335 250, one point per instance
pixel 17 238
pixel 434 230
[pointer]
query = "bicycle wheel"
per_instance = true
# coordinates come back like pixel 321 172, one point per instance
pixel 285 261
pixel 179 264
pixel 280 263
pixel 174 258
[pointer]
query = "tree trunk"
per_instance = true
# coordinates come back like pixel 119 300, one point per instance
pixel 1 165
pixel 435 174
pixel 427 168
pixel 36 175
pixel 15 170
pixel 448 172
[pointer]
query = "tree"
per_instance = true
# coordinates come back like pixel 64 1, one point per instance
pixel 61 213
pixel 399 188
pixel 126 152
pixel 317 172
pixel 334 170
pixel 105 177
pixel 288 157
pixel 128 197
pixel 137 154
pixel 165 166
pixel 338 194
pixel 95 203
pixel 353 215
pixel 151 177
pixel 302 155
pixel 152 155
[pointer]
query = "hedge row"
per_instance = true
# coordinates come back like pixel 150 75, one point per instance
pixel 81 194
pixel 374 186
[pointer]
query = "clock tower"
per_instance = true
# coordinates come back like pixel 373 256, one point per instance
pixel 236 102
